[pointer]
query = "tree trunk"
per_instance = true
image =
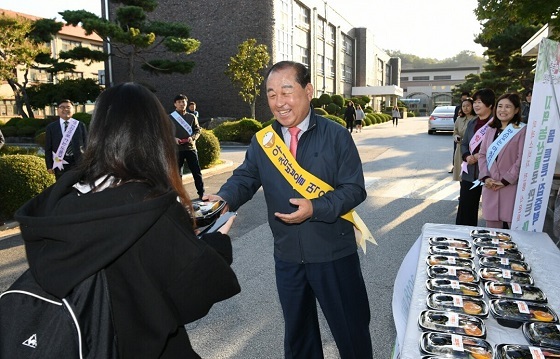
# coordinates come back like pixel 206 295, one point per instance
pixel 253 108
pixel 17 96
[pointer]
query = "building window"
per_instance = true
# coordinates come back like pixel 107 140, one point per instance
pixel 68 45
pixel 320 64
pixel 40 75
pixel 330 67
pixel 420 78
pixel 284 47
pixel 404 78
pixel 387 74
pixel 347 73
pixel 302 55
pixel 97 47
pixel 72 75
pixel 442 77
pixel 331 34
pixel 301 16
pixel 347 45
pixel 321 29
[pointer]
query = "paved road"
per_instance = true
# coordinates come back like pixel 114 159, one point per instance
pixel 408 185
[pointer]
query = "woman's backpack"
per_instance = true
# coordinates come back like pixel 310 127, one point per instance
pixel 35 324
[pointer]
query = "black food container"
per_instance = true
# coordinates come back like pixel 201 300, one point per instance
pixel 542 334
pixel 207 212
pixel 490 234
pixel 505 276
pixel 505 263
pixel 514 291
pixel 451 322
pixel 454 287
pixel 451 251
pixel 436 259
pixel 512 313
pixel 499 252
pixel 452 272
pixel 452 242
pixel 457 303
pixel 518 351
pixel 494 242
pixel 441 344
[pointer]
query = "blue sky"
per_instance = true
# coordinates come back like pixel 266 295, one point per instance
pixel 430 28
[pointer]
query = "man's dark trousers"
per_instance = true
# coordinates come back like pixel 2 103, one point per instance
pixel 191 157
pixel 339 287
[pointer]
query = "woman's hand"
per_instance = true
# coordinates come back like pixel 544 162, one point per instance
pixel 227 226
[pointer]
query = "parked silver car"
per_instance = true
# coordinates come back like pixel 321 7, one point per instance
pixel 441 119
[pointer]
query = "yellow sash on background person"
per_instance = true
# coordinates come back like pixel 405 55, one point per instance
pixel 305 183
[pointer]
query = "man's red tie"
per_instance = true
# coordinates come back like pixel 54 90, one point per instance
pixel 294 131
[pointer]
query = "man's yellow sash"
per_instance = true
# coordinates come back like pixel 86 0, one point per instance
pixel 305 183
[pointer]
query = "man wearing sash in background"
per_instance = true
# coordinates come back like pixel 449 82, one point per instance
pixel 315 250
pixel 65 140
pixel 187 131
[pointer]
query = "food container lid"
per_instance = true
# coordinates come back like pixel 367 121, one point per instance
pixel 450 286
pixel 452 344
pixel 499 252
pixel 207 212
pixel 512 313
pixel 447 241
pixel 452 272
pixel 451 251
pixel 542 334
pixel 518 351
pixel 494 242
pixel 457 303
pixel 490 234
pixel 505 276
pixel 435 259
pixel 514 291
pixel 506 263
pixel 451 322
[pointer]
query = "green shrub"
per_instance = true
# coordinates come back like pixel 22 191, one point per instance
pixel 268 123
pixel 84 117
pixel 336 119
pixel 227 131
pixel 41 139
pixel 247 129
pixel 237 131
pixel 321 112
pixel 410 114
pixel 26 131
pixel 208 148
pixel 9 131
pixel 12 121
pixel 337 99
pixel 315 102
pixel 367 120
pixel 386 117
pixel 17 150
pixel 332 108
pixel 22 177
pixel 325 99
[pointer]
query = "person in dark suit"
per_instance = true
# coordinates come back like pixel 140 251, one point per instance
pixel 65 140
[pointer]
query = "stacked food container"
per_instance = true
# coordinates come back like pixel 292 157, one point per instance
pixel 460 297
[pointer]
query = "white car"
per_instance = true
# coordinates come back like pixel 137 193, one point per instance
pixel 441 119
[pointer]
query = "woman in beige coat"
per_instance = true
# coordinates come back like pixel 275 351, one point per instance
pixel 466 114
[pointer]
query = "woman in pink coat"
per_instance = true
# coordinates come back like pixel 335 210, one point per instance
pixel 502 148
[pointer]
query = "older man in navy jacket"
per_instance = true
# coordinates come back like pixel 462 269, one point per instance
pixel 315 249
